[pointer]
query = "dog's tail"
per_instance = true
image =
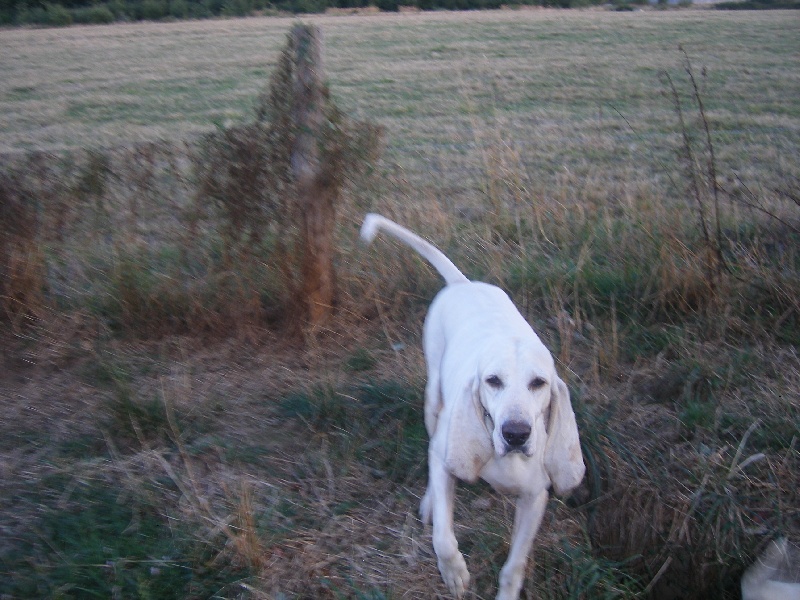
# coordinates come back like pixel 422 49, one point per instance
pixel 373 223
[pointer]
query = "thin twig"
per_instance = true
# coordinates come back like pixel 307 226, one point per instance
pixel 692 173
pixel 711 163
pixel 756 205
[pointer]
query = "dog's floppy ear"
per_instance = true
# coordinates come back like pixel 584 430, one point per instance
pixel 469 441
pixel 563 460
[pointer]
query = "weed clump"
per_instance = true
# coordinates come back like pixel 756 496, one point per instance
pixel 255 175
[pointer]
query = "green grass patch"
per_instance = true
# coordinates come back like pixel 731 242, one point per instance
pixel 92 540
pixel 580 573
pixel 378 424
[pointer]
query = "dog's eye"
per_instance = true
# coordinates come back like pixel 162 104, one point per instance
pixel 494 381
pixel 536 383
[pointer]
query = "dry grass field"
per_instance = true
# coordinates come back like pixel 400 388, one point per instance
pixel 165 433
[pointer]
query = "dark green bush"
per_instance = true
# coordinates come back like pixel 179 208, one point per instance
pixel 57 15
pixel 237 8
pixel 179 9
pixel 51 15
pixel 97 14
pixel 154 10
pixel 119 9
pixel 6 16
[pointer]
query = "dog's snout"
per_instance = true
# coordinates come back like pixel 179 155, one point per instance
pixel 516 433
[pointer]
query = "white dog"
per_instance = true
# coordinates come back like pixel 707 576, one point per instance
pixel 495 408
pixel 775 575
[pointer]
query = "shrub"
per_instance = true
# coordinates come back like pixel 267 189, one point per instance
pixel 237 8
pixel 213 7
pixel 179 9
pixel 7 16
pixel 154 10
pixel 246 176
pixel 199 10
pixel 96 14
pixel 57 15
pixel 119 8
pixel 51 15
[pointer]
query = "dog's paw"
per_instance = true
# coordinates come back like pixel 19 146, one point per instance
pixel 455 575
pixel 510 583
pixel 507 595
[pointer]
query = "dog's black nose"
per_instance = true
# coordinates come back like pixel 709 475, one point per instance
pixel 516 433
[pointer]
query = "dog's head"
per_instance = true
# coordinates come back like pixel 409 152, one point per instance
pixel 517 404
pixel 514 382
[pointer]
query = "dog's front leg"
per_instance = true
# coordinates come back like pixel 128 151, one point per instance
pixel 440 497
pixel 528 517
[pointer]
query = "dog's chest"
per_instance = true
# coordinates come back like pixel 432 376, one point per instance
pixel 516 474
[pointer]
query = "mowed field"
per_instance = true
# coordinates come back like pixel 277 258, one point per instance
pixel 555 77
pixel 164 435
